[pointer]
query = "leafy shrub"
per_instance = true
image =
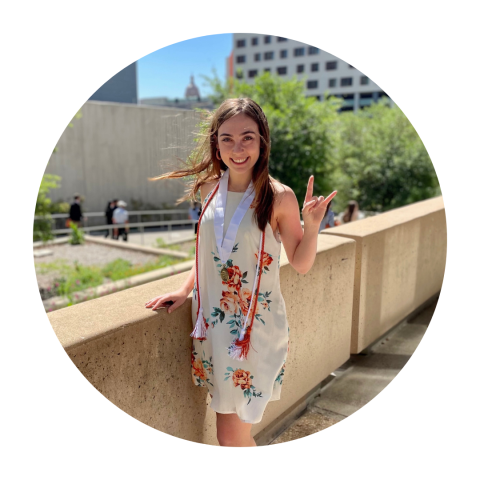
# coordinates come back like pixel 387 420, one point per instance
pixel 42 229
pixel 78 237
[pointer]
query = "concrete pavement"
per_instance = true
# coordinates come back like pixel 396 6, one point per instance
pixel 361 378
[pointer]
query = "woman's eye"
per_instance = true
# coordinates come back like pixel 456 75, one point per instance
pixel 248 138
pixel 226 140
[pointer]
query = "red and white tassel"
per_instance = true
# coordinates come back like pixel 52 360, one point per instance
pixel 239 348
pixel 201 326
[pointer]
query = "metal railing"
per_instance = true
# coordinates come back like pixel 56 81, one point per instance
pixel 134 213
pixel 138 225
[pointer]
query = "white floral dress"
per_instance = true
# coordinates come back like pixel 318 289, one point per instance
pixel 244 386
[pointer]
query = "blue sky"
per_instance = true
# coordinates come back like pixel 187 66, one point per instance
pixel 166 72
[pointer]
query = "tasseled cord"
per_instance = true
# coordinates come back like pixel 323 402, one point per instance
pixel 201 326
pixel 239 348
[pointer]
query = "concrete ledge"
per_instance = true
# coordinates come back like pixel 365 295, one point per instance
pixel 140 360
pixel 400 263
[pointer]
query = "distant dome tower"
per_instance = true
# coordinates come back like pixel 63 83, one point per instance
pixel 192 92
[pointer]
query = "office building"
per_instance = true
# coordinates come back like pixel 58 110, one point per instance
pixel 254 54
pixel 121 88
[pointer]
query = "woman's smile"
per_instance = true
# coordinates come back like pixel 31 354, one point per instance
pixel 239 161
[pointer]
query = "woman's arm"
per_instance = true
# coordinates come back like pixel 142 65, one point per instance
pixel 301 245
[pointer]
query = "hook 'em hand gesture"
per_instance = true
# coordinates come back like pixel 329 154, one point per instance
pixel 314 207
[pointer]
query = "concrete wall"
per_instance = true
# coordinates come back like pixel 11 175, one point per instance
pixel 367 277
pixel 400 262
pixel 114 148
pixel 140 360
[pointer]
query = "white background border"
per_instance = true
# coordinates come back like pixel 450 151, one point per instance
pixel 55 55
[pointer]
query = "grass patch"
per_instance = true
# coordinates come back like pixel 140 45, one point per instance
pixel 162 244
pixel 120 269
pixel 72 279
pixel 77 278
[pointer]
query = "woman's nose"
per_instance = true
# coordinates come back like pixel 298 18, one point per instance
pixel 238 147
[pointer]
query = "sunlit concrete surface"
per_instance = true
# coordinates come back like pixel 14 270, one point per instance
pixel 361 379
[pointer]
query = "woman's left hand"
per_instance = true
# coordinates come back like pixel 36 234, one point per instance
pixel 314 207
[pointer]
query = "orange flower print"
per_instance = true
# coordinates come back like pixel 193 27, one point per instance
pixel 264 304
pixel 235 277
pixel 200 367
pixel 229 302
pixel 244 298
pixel 242 378
pixel 265 261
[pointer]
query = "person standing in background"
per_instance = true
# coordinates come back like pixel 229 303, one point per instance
pixel 120 216
pixel 351 213
pixel 194 213
pixel 111 206
pixel 328 220
pixel 75 215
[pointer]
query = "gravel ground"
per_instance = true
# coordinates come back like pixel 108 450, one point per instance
pixel 86 254
pixel 93 254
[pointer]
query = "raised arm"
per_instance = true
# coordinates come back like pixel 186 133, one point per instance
pixel 301 244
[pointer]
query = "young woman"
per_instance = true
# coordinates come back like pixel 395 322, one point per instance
pixel 240 336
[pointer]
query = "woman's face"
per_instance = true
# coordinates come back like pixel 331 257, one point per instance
pixel 238 140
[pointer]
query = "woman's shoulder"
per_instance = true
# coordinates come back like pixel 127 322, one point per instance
pixel 206 188
pixel 283 194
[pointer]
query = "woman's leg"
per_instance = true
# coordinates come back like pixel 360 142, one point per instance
pixel 232 432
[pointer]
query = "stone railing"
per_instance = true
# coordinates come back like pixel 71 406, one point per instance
pixel 400 261
pixel 366 278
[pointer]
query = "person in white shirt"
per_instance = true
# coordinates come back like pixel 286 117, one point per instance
pixel 120 216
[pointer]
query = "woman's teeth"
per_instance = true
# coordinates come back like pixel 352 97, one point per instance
pixel 239 160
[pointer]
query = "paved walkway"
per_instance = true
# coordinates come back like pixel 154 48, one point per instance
pixel 361 379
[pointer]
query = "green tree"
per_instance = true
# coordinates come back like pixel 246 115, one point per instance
pixel 42 228
pixel 381 161
pixel 301 128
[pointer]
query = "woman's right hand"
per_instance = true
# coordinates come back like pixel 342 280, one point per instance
pixel 171 301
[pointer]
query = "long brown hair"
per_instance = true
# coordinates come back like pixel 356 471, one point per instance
pixel 204 166
pixel 347 216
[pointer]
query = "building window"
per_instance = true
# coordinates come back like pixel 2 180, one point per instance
pixel 239 74
pixel 313 50
pixel 252 73
pixel 267 70
pixel 281 39
pixel 314 67
pixel 257 57
pixel 241 43
pixel 281 70
pixel 267 39
pixel 240 58
pixel 331 66
pixel 363 80
pixel 254 41
pixel 300 68
pixel 332 82
pixel 268 56
pixel 299 52
pixel 311 84
pixel 346 82
pixel 283 53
